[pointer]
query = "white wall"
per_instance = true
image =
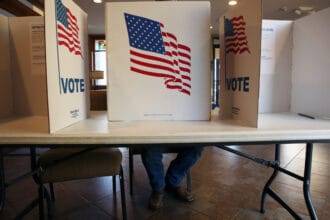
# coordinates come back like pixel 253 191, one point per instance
pixel 311 65
pixel 276 62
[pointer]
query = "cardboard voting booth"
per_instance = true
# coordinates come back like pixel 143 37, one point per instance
pixel 240 37
pixel 23 73
pixel 67 63
pixel 276 64
pixel 311 65
pixel 270 66
pixel 158 60
pixel 43 66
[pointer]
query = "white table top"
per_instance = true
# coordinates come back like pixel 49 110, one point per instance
pixel 97 130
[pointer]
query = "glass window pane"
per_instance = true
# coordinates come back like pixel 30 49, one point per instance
pixel 100 64
pixel 100 45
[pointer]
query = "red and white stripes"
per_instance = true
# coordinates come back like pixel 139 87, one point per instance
pixel 237 43
pixel 69 36
pixel 174 66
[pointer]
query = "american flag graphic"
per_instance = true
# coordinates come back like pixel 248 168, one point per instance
pixel 235 37
pixel 157 53
pixel 67 29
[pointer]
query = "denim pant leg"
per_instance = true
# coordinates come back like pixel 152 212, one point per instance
pixel 152 161
pixel 179 166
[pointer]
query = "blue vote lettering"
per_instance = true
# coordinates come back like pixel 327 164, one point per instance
pixel 238 84
pixel 72 85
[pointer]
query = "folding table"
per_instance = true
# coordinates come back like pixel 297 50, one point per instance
pixel 274 128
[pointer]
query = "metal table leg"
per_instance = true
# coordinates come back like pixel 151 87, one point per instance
pixel 276 166
pixel 307 181
pixel 306 184
pixel 131 170
pixel 271 179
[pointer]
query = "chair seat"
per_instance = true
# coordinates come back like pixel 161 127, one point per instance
pixel 89 164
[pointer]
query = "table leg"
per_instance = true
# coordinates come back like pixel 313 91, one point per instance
pixel 276 166
pixel 131 170
pixel 307 181
pixel 271 179
pixel 2 182
pixel 43 192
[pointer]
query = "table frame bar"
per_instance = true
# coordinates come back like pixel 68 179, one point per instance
pixel 271 179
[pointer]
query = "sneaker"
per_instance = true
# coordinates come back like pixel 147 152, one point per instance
pixel 180 193
pixel 156 200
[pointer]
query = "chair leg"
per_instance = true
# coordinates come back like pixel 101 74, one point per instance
pixel 49 204
pixel 189 184
pixel 41 202
pixel 122 193
pixel 52 193
pixel 131 170
pixel 114 186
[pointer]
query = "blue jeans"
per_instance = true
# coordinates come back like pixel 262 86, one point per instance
pixel 152 161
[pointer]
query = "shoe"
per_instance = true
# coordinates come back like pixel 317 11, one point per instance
pixel 156 200
pixel 180 193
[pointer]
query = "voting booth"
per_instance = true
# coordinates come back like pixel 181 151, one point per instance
pixel 158 60
pixel 272 66
pixel 240 37
pixel 44 66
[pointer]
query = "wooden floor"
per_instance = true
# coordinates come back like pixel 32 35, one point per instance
pixel 226 187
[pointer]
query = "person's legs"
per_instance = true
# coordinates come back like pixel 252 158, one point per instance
pixel 181 164
pixel 178 169
pixel 152 161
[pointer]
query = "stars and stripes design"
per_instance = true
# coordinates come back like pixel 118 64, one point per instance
pixel 235 37
pixel 157 53
pixel 67 29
